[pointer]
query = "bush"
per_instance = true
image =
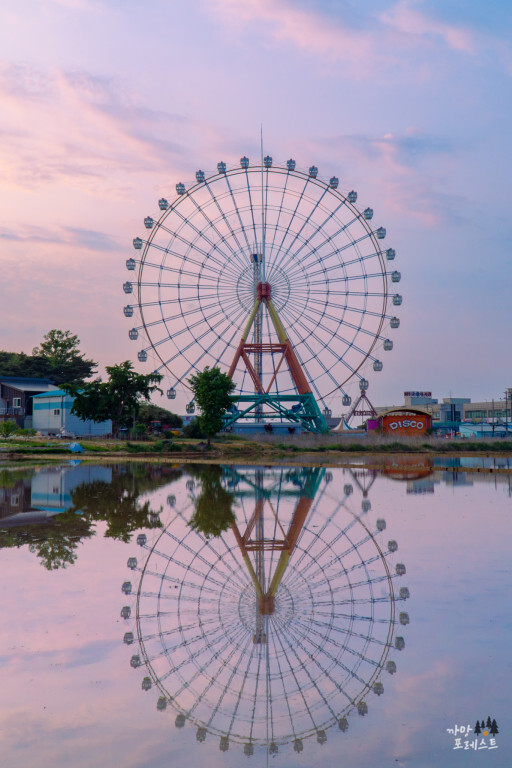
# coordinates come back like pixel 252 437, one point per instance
pixel 8 428
pixel 26 432
pixel 193 430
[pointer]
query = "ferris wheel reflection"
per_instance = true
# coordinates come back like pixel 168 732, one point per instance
pixel 273 618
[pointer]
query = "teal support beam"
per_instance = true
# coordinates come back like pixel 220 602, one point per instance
pixel 298 409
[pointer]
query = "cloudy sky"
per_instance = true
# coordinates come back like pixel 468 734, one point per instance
pixel 106 104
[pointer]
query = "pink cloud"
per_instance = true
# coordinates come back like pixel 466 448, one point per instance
pixel 383 40
pixel 406 17
pixel 286 23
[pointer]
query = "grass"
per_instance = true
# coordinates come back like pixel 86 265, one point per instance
pixel 240 447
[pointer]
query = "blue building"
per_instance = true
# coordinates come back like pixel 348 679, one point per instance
pixel 51 415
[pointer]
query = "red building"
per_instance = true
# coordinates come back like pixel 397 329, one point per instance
pixel 405 421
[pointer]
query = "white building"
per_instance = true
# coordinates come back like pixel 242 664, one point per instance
pixel 52 414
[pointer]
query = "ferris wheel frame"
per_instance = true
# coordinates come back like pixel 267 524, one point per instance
pixel 332 325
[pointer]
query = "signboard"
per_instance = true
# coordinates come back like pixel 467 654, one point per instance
pixel 408 423
pixel 417 394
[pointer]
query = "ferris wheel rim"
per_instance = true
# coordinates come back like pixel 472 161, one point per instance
pixel 180 377
pixel 287 737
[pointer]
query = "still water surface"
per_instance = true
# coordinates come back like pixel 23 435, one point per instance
pixel 158 615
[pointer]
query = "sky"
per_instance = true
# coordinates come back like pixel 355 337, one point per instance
pixel 107 104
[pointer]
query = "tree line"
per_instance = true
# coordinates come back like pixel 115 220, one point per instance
pixel 125 392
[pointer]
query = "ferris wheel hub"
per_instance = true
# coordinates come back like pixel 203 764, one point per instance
pixel 267 605
pixel 264 291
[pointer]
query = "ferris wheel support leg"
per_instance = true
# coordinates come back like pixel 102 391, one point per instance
pixel 306 413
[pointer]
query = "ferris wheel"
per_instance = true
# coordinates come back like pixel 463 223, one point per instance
pixel 251 651
pixel 271 273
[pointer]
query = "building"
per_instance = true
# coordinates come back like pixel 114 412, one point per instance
pixel 52 415
pixel 16 395
pixel 452 412
pixel 405 421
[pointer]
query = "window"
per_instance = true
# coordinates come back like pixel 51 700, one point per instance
pixel 56 411
pixel 16 402
pixel 15 500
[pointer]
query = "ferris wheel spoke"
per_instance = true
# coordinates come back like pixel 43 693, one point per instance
pixel 325 269
pixel 318 229
pixel 275 228
pixel 196 339
pixel 351 633
pixel 178 316
pixel 235 206
pixel 298 234
pixel 344 308
pixel 299 687
pixel 312 662
pixel 243 685
pixel 292 217
pixel 285 695
pixel 303 340
pixel 212 681
pixel 346 323
pixel 251 207
pixel 289 256
pixel 234 670
pixel 313 251
pixel 180 257
pixel 227 344
pixel 236 254
pixel 212 225
pixel 320 649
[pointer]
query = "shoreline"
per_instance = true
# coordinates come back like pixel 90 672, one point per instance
pixel 396 458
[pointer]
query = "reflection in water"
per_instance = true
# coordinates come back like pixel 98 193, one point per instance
pixel 53 509
pixel 280 625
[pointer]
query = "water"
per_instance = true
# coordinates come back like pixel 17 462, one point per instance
pixel 271 614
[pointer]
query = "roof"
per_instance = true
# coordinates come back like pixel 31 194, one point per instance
pixel 27 385
pixel 54 393
pixel 405 409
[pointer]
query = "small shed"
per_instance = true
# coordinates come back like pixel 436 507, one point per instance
pixel 52 415
pixel 405 421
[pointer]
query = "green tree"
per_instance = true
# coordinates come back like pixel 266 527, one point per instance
pixel 59 354
pixel 213 506
pixel 212 392
pixel 149 412
pixel 118 399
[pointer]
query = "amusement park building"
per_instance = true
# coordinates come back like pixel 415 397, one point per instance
pixel 453 411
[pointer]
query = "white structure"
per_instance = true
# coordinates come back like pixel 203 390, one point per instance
pixel 52 414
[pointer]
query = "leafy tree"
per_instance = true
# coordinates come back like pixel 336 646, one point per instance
pixel 59 352
pixel 118 399
pixel 149 412
pixel 213 512
pixel 212 392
